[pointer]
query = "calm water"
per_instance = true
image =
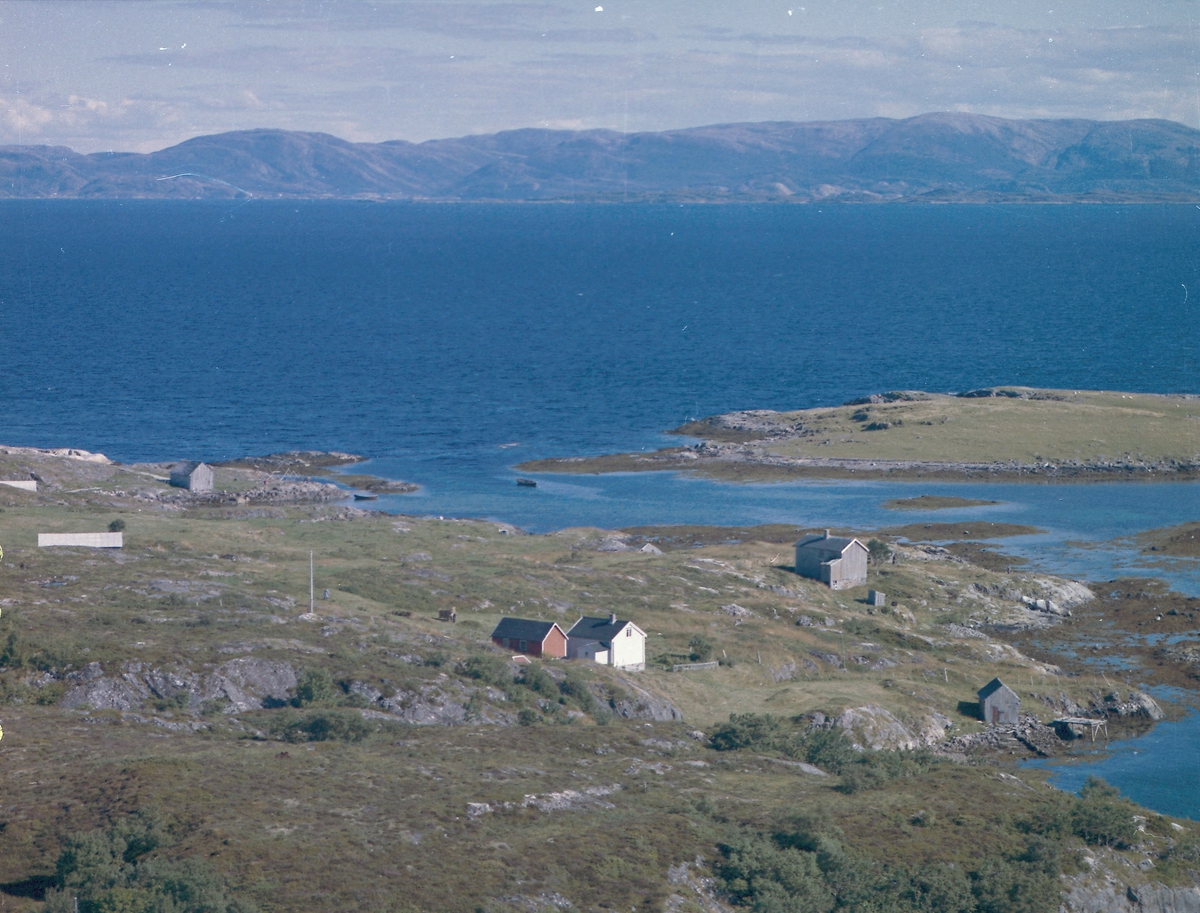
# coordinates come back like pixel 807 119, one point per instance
pixel 432 334
pixel 1157 770
pixel 450 342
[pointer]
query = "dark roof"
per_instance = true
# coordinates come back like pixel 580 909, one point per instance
pixel 992 687
pixel 187 467
pixel 601 629
pixel 818 542
pixel 523 629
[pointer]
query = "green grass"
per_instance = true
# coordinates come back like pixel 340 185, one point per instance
pixel 1013 433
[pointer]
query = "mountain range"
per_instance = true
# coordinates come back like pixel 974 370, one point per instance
pixel 931 157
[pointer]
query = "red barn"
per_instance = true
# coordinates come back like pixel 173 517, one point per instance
pixel 533 638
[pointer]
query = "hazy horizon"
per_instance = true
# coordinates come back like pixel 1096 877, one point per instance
pixel 143 76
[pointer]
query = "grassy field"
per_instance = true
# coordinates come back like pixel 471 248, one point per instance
pixel 330 797
pixel 1009 433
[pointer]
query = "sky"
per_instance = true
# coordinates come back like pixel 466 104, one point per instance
pixel 140 75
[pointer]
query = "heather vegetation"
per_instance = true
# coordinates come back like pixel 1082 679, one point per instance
pixel 366 755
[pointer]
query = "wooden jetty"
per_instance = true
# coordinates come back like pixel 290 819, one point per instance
pixel 1093 725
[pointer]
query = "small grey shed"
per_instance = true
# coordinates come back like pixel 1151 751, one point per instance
pixel 999 704
pixel 839 562
pixel 192 476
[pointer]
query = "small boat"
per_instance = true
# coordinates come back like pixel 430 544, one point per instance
pixel 365 496
pixel 527 483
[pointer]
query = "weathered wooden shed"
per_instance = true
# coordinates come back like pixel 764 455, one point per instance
pixel 192 476
pixel 834 560
pixel 999 704
pixel 533 638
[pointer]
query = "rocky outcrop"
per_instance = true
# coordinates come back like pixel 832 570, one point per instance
pixel 873 727
pixel 642 705
pixel 1136 704
pixel 1099 891
pixel 249 683
pixel 277 493
pixel 240 684
pixel 1029 735
pixel 90 688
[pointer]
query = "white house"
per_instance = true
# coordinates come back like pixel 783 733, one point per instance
pixel 610 641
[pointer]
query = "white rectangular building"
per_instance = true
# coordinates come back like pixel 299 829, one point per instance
pixel 82 540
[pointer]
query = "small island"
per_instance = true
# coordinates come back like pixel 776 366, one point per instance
pixel 936 502
pixel 994 434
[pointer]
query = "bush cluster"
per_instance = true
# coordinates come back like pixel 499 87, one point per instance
pixel 1098 816
pixel 533 689
pixel 805 872
pixel 124 868
pixel 828 749
pixel 320 726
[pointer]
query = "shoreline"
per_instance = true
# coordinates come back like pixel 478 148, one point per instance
pixel 750 465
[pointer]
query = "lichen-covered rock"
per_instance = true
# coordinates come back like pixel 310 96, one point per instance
pixel 1136 704
pixel 642 705
pixel 1103 889
pixel 102 694
pixel 873 727
pixel 248 683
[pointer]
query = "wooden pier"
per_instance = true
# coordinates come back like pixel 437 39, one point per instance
pixel 1093 725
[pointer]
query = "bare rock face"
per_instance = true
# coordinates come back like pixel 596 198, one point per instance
pixel 1064 594
pixel 873 727
pixel 1136 704
pixel 1087 896
pixel 102 694
pixel 245 684
pixel 642 705
pixel 248 682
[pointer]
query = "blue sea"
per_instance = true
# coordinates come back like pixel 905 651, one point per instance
pixel 450 342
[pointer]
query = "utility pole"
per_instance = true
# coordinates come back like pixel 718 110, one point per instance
pixel 310 583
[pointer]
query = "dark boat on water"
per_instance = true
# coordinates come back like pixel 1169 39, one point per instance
pixel 365 496
pixel 527 483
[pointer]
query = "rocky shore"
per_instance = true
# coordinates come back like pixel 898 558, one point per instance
pixel 754 461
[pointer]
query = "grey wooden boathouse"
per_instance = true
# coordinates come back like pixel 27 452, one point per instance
pixel 999 704
pixel 833 560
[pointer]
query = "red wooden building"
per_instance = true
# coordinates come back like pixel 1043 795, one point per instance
pixel 533 638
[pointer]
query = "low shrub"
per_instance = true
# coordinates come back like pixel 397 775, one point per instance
pixel 828 749
pixel 807 872
pixel 315 689
pixel 575 687
pixel 323 726
pixel 491 670
pixel 1101 817
pixel 701 649
pixel 125 868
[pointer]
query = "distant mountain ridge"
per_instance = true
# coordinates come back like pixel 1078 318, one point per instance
pixel 932 157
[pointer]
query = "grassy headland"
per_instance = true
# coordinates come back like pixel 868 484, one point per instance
pixel 365 755
pixel 1001 433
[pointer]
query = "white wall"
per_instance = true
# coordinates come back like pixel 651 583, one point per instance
pixel 629 648
pixel 26 486
pixel 82 540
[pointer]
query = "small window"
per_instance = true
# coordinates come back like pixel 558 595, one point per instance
pixel 522 647
pixel 629 632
